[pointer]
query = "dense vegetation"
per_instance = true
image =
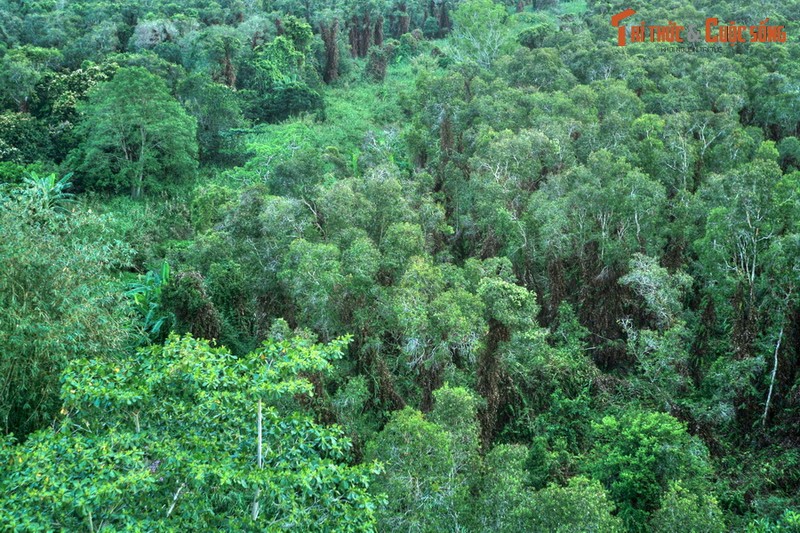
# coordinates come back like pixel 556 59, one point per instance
pixel 453 265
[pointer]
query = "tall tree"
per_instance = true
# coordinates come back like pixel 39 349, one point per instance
pixel 136 136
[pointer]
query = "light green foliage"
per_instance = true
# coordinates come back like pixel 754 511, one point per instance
pixel 581 506
pixel 507 303
pixel 146 296
pixel 169 440
pixel 538 239
pixel 421 482
pixel 788 522
pixel 401 242
pixel 479 32
pixel 21 69
pixel 455 409
pixel 46 193
pixel 607 203
pixel 436 316
pixel 502 491
pixel 278 85
pixel 313 275
pixel 683 511
pixel 660 290
pixel 136 136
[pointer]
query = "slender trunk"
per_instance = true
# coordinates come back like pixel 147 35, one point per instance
pixel 260 461
pixel 175 499
pixel 353 37
pixel 365 36
pixel 772 379
pixel 490 376
pixel 138 185
pixel 405 20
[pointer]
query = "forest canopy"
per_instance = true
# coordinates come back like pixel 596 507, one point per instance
pixel 459 265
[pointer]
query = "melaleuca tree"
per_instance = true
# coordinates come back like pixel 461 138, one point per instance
pixel 510 315
pixel 426 477
pixel 683 510
pixel 312 274
pixel 748 252
pixel 186 436
pixel 215 51
pixel 136 136
pixel 439 322
pixel 586 223
pixel 503 490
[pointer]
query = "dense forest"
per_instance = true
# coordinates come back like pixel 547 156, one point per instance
pixel 399 265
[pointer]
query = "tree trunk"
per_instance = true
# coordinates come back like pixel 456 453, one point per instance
pixel 353 37
pixel 489 379
pixel 404 19
pixel 379 31
pixel 138 184
pixel 329 38
pixel 365 36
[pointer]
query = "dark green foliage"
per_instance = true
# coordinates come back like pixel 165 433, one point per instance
pixel 23 139
pixel 283 100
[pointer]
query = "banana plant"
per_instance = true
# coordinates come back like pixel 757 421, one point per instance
pixel 47 192
pixel 146 295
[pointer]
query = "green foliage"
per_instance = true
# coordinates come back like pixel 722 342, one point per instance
pixel 59 298
pixel 420 482
pixel 479 33
pixel 136 136
pixel 217 111
pixel 582 505
pixel 21 68
pixel 23 138
pixel 147 300
pixel 47 192
pixel 534 236
pixel 682 510
pixel 638 455
pixel 170 439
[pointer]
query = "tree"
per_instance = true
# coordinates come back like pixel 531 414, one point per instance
pixel 583 505
pixel 638 455
pixel 185 436
pixel 21 69
pixel 135 135
pixel 421 483
pixel 479 32
pixel 683 511
pixel 217 110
